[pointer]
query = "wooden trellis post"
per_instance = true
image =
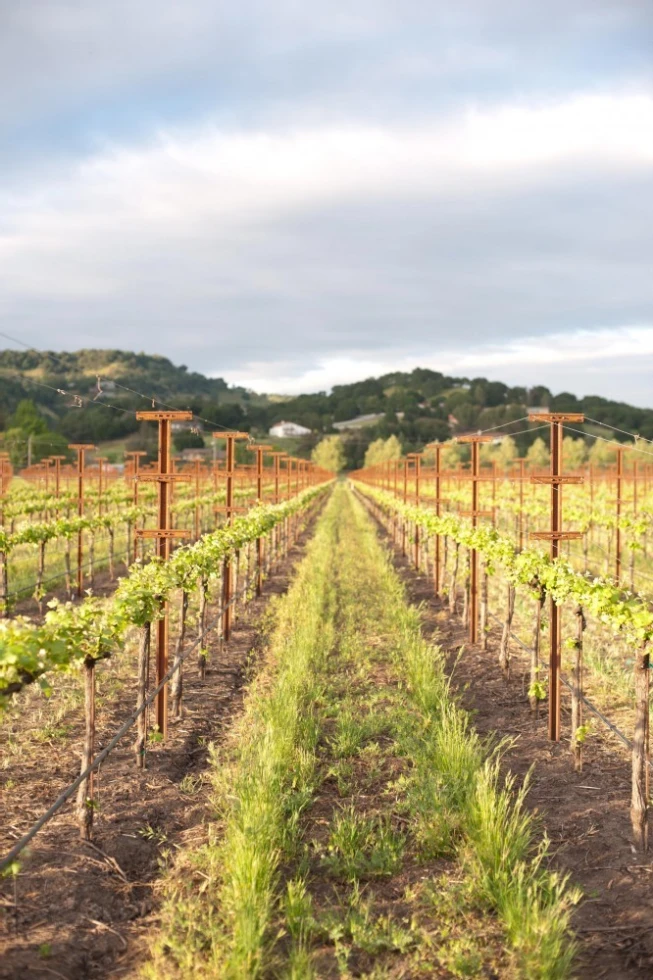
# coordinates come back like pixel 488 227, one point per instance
pixel 437 560
pixel 619 472
pixel 81 450
pixel 404 497
pixel 46 463
pixel 57 473
pixel 196 474
pixel 416 459
pixel 5 476
pixel 101 460
pixel 260 449
pixel 277 457
pixel 163 535
pixel 522 464
pixel 229 509
pixel 556 481
pixel 475 477
pixel 395 520
pixel 136 456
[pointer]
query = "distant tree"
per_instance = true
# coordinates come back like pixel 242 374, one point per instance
pixel 27 418
pixel 451 455
pixel 28 438
pixel 15 442
pixel 329 454
pixel 503 453
pixel 539 397
pixel 188 440
pixel 574 452
pixel 143 440
pixel 382 450
pixel 603 453
pixel 538 454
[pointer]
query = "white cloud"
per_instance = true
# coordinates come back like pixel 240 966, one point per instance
pixel 294 259
pixel 594 359
pixel 80 233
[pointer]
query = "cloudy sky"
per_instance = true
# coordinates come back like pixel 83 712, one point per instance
pixel 293 195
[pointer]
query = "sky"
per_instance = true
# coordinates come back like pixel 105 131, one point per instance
pixel 292 195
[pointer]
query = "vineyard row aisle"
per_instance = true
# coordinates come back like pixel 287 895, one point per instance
pixel 359 826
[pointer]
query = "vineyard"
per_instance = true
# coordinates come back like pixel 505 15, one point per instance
pixel 258 722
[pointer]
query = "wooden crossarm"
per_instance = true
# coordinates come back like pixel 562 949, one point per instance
pixel 556 535
pixel 475 479
pixel 164 477
pixel 557 479
pixel 555 417
pixel 478 438
pixel 156 416
pixel 159 533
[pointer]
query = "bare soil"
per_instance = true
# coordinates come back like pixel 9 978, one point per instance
pixel 82 910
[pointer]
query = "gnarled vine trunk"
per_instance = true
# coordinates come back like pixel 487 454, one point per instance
pixel 143 670
pixel 639 807
pixel 176 683
pixel 535 656
pixel 201 627
pixel 85 801
pixel 504 648
pixel 453 583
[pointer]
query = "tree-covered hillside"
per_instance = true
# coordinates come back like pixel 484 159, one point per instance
pixel 416 407
pixel 65 390
pixel 423 405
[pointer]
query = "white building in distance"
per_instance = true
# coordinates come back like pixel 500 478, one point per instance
pixel 286 430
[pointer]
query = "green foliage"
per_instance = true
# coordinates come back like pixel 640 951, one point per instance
pixel 603 453
pixel 538 454
pixel 188 440
pixel 574 453
pixel 503 453
pixel 28 418
pixel 94 628
pixel 413 406
pixel 383 450
pixel 329 454
pixel 630 616
pixel 261 791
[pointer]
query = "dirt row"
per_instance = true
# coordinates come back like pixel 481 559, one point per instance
pixel 84 910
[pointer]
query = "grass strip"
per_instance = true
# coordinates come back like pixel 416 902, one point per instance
pixel 458 800
pixel 362 826
pixel 424 860
pixel 219 900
